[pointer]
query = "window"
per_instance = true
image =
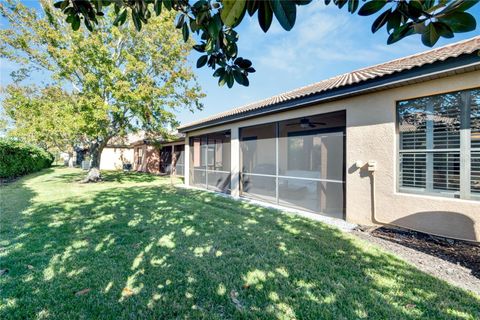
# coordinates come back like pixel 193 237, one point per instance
pixel 140 156
pixel 439 144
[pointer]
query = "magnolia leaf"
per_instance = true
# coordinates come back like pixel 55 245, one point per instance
pixel 252 6
pixel 180 21
pixel 394 20
pixel 460 21
pixel 265 15
pixel 302 2
pixel 136 20
pixel 443 29
pixel 222 80
pixel 286 12
pixel 430 35
pixel 371 7
pixel 185 32
pixel 202 61
pixel 167 4
pixel 381 20
pixel 353 5
pixel 157 7
pixel 76 23
pixel 237 75
pixel 233 11
pixel 120 19
pixel 400 33
pixel 215 26
pixel 458 6
pixel 220 72
pixel 230 79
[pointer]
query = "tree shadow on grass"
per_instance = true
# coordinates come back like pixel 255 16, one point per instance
pixel 107 176
pixel 129 176
pixel 160 252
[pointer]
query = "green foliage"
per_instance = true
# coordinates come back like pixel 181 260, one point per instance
pixel 123 80
pixel 18 158
pixel 49 117
pixel 214 22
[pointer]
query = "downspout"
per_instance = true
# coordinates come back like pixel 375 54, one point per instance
pixel 373 199
pixel 371 168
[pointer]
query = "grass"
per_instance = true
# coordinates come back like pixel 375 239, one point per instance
pixel 145 249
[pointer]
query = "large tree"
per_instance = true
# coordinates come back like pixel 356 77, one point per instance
pixel 123 80
pixel 49 117
pixel 214 21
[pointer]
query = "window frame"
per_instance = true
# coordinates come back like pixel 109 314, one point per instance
pixel 465 152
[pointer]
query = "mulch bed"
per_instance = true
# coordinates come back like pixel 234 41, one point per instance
pixel 459 252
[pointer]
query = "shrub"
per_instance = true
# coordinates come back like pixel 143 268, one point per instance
pixel 18 158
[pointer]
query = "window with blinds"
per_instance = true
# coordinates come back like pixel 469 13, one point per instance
pixel 475 143
pixel 439 144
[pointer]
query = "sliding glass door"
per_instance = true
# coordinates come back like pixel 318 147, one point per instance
pixel 297 163
pixel 166 159
pixel 210 161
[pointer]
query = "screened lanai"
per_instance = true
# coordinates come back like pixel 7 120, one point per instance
pixel 297 163
pixel 210 161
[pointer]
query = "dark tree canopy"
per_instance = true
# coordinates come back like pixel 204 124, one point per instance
pixel 215 22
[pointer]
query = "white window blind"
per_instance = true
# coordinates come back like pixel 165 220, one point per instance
pixel 475 142
pixel 439 144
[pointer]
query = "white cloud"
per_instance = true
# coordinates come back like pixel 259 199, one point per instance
pixel 324 38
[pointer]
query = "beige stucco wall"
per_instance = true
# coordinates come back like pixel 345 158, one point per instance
pixel 371 135
pixel 114 158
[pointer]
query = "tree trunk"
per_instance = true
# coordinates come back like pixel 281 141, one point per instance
pixel 70 160
pixel 95 149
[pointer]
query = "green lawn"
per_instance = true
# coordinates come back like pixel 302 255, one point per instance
pixel 146 249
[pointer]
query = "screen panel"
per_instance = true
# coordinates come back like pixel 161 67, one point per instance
pixel 258 148
pixel 210 161
pixel 318 196
pixel 259 187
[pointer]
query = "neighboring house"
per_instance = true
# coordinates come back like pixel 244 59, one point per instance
pixel 396 143
pixel 116 158
pixel 159 157
pixel 117 155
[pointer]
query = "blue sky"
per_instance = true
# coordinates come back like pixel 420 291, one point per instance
pixel 325 42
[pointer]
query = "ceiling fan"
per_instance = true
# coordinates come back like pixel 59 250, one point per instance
pixel 306 123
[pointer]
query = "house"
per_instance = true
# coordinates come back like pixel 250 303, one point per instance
pixel 118 154
pixel 116 157
pixel 159 157
pixel 396 143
